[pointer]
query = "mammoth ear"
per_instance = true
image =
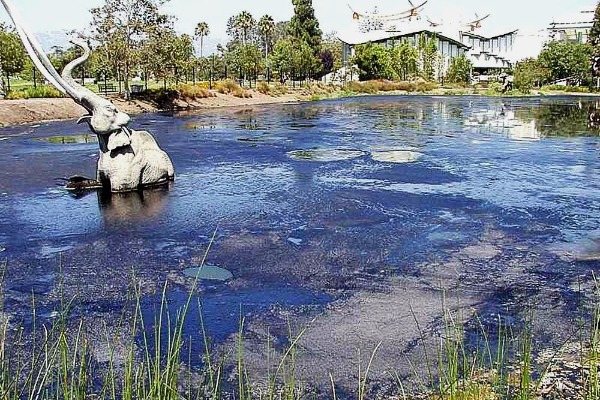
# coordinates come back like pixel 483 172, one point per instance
pixel 85 118
pixel 118 139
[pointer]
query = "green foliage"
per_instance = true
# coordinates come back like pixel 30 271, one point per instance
pixel 566 60
pixel 42 91
pixel 167 53
pixel 428 56
pixel 121 29
pixel 529 73
pixel 404 60
pixel 241 28
pixel 164 99
pixel 375 86
pixel 594 34
pixel 201 31
pixel 459 70
pixel 304 26
pixel 266 29
pixel 294 57
pixel 374 61
pixel 12 54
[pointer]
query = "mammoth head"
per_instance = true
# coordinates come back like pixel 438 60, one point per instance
pixel 104 118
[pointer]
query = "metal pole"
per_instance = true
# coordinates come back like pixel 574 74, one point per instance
pixel 34 78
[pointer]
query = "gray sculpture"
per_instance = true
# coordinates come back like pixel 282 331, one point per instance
pixel 129 159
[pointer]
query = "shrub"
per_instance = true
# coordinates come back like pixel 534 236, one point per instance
pixel 227 86
pixel 264 88
pixel 577 89
pixel 164 99
pixel 45 91
pixel 281 88
pixel 12 95
pixel 406 86
pixel 460 70
pixel 423 86
pixel 192 92
pixel 242 93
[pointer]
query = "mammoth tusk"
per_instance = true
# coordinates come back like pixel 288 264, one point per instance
pixel 35 51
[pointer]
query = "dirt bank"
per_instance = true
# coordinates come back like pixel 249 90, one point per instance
pixel 15 112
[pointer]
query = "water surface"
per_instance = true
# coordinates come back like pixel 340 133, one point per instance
pixel 313 204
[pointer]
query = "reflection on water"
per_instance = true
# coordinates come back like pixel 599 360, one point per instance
pixel 73 139
pixel 142 205
pixel 396 156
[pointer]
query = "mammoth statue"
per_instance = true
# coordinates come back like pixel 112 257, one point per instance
pixel 129 159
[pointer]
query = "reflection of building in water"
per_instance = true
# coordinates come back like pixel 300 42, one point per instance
pixel 504 120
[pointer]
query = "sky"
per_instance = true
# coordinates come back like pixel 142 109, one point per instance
pixel 333 15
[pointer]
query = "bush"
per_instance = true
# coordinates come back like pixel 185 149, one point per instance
pixel 460 70
pixel 164 99
pixel 577 89
pixel 192 92
pixel 241 93
pixel 227 86
pixel 264 88
pixel 45 91
pixel 423 86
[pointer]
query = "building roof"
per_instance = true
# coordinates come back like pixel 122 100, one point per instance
pixel 581 19
pixel 357 37
pixel 487 34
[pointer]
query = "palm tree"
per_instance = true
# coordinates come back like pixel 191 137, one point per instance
pixel 201 31
pixel 244 21
pixel 266 28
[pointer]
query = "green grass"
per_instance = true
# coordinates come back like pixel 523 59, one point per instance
pixel 54 360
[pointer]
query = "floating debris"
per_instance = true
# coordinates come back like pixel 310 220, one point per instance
pixel 396 156
pixel 325 155
pixel 209 273
pixel 2 249
pixel 295 241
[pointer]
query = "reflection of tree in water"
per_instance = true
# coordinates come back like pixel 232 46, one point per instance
pixel 412 117
pixel 554 120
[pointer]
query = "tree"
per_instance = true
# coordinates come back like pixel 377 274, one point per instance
pixel 374 61
pixel 459 70
pixel 266 29
pixel 120 28
pixel 594 34
pixel 404 60
pixel 304 25
pixel 12 55
pixel 331 53
pixel 165 53
pixel 428 58
pixel 566 60
pixel 529 73
pixel 201 31
pixel 241 26
pixel 293 58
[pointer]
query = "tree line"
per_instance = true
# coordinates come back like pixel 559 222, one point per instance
pixel 134 39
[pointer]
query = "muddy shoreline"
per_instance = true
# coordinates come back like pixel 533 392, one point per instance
pixel 29 111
